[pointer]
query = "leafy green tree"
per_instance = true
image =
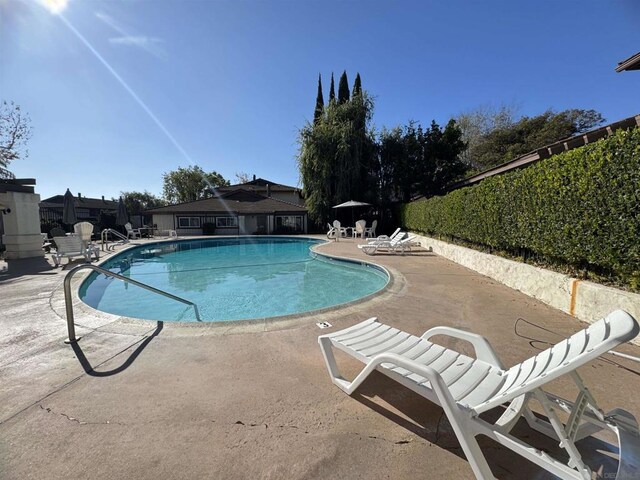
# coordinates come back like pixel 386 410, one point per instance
pixel 319 101
pixel 357 86
pixel 337 158
pixel 441 162
pixel 478 122
pixel 190 184
pixel 395 171
pixel 332 90
pixel 506 143
pixel 15 132
pixel 343 88
pixel 415 161
pixel 242 177
pixel 138 202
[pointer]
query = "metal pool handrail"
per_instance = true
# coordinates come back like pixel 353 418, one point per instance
pixel 107 231
pixel 69 304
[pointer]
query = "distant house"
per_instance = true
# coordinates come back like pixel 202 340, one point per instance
pixel 268 188
pixel 87 209
pixel 237 211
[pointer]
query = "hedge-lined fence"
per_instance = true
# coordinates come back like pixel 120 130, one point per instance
pixel 580 208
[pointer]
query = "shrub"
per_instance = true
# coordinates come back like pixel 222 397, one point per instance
pixel 580 208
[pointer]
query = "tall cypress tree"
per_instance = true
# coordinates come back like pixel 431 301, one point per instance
pixel 357 86
pixel 332 90
pixel 343 88
pixel 319 101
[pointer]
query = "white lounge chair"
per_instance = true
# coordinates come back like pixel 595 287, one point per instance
pixel 466 387
pixel 359 229
pixel 132 232
pixel 70 246
pixel 371 231
pixel 397 245
pixel 385 238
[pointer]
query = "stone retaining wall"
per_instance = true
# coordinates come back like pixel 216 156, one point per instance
pixel 584 300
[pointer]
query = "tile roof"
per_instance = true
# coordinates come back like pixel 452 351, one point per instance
pixel 259 185
pixel 82 202
pixel 239 201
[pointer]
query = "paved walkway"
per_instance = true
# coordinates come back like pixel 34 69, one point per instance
pixel 146 400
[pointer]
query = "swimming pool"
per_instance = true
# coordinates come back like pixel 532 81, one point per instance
pixel 229 279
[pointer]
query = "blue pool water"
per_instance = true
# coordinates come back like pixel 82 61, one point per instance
pixel 228 279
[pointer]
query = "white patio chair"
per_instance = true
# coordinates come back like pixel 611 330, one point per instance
pixel 132 232
pixel 70 246
pixel 466 387
pixel 359 229
pixel 371 231
pixel 339 230
pixel 84 230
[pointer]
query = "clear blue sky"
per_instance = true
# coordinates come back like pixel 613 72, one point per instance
pixel 233 81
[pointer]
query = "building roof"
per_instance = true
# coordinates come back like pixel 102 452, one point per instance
pixel 236 202
pixel 549 150
pixel 81 202
pixel 259 185
pixel 22 185
pixel 631 63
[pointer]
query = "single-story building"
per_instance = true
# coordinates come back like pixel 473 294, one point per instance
pixel 232 212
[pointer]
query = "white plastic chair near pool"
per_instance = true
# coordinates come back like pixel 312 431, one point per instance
pixel 72 246
pixel 371 231
pixel 359 229
pixel 466 387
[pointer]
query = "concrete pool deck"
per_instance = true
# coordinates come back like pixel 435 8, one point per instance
pixel 151 400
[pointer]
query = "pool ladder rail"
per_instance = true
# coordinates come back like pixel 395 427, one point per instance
pixel 68 302
pixel 104 238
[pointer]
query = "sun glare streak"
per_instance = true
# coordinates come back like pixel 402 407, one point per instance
pixel 129 90
pixel 55 6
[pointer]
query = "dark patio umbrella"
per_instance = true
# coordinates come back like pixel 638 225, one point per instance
pixel 69 215
pixel 352 204
pixel 122 217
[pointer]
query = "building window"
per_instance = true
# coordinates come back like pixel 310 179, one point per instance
pixel 289 223
pixel 226 222
pixel 188 222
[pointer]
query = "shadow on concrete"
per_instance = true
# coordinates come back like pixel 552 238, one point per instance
pixel 428 421
pixel 25 267
pixel 89 369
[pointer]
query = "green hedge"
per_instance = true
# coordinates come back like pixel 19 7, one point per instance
pixel 580 208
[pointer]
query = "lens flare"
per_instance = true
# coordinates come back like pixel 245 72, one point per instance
pixel 55 6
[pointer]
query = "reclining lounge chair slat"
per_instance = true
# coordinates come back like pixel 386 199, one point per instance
pixel 373 339
pixel 478 381
pixel 385 346
pixel 363 332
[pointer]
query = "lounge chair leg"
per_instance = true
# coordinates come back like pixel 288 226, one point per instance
pixel 473 452
pixel 463 429
pixel 332 366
